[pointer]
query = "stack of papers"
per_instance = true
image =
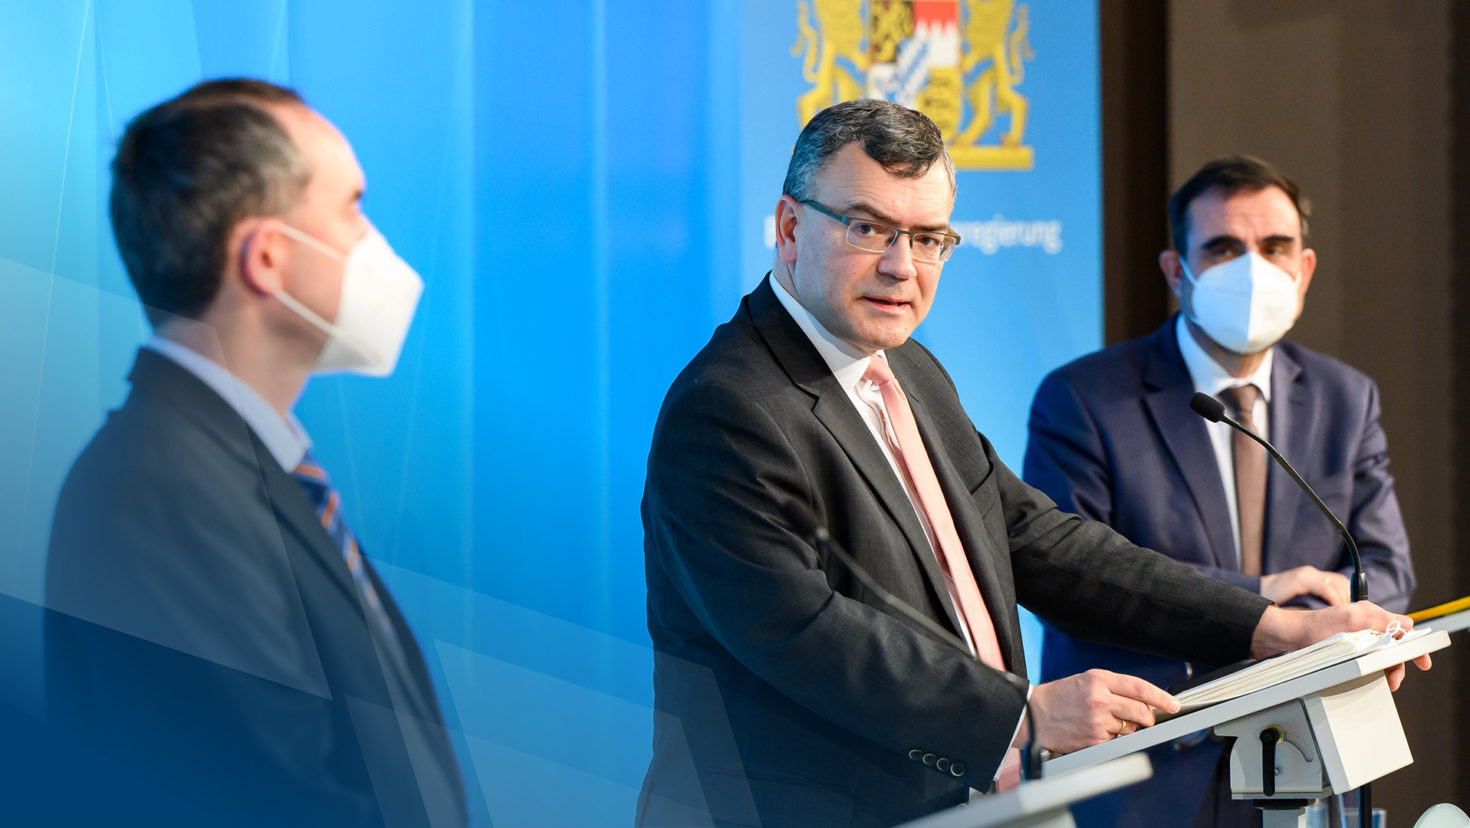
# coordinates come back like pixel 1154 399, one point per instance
pixel 1287 666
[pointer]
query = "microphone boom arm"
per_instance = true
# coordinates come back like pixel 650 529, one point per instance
pixel 1211 409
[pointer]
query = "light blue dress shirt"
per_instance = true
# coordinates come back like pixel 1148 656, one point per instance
pixel 284 437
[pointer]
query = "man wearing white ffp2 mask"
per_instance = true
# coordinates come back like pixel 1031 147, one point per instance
pixel 1243 304
pixel 1112 437
pixel 218 625
pixel 379 294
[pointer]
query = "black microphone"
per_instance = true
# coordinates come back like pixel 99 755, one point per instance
pixel 1214 411
pixel 807 526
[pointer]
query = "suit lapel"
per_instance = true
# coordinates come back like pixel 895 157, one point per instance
pixel 415 656
pixel 801 361
pixel 296 514
pixel 301 530
pixel 295 511
pixel 1289 425
pixel 198 403
pixel 1183 433
pixel 427 701
pixel 979 545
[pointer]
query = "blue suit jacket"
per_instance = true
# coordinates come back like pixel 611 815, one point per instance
pixel 1112 437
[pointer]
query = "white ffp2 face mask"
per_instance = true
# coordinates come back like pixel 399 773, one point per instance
pixel 380 293
pixel 1246 304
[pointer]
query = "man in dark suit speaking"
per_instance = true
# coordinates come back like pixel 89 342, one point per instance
pixel 216 642
pixel 1112 438
pixel 788 693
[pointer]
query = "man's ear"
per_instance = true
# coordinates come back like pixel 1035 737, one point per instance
pixel 260 253
pixel 786 229
pixel 1173 268
pixel 1309 266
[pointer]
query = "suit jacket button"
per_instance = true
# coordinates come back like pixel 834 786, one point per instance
pixel 929 759
pixel 942 764
pixel 914 754
pixel 957 769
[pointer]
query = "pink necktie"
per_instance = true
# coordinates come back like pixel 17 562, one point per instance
pixel 959 577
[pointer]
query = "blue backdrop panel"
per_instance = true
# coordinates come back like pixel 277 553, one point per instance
pixel 584 185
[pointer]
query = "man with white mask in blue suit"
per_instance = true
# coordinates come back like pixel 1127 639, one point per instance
pixel 218 648
pixel 1113 438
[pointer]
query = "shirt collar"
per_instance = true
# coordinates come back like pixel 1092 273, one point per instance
pixel 1207 374
pixel 846 362
pixel 284 437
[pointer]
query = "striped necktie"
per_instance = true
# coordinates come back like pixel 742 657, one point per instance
pixel 395 654
pixel 328 502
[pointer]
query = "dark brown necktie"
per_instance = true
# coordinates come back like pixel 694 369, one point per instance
pixel 1250 477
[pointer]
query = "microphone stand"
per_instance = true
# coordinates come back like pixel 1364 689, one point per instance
pixel 1213 410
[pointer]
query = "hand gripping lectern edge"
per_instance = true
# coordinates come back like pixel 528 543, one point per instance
pixel 1327 732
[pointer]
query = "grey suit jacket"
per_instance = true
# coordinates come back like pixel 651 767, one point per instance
pixel 206 648
pixel 786 693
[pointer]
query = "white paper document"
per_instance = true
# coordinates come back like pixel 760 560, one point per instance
pixel 1271 671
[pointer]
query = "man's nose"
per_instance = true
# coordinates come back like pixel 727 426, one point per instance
pixel 897 261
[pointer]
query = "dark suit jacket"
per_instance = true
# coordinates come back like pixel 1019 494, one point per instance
pixel 786 693
pixel 205 641
pixel 1112 437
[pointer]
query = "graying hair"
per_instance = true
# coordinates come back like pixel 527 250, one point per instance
pixel 903 140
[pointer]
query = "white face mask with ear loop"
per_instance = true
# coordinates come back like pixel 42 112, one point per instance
pixel 380 293
pixel 1246 304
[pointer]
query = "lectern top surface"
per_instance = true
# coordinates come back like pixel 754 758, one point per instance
pixel 1372 662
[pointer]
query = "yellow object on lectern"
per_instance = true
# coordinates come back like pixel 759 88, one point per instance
pixel 1441 610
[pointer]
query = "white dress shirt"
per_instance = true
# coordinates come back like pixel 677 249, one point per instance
pixel 1210 378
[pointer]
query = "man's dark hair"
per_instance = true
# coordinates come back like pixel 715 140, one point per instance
pixel 1238 173
pixel 186 171
pixel 903 140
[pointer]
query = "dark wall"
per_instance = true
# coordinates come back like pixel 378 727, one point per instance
pixel 1362 102
pixel 1458 457
pixel 1135 128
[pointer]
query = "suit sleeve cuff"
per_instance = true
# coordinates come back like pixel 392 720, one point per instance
pixel 1016 734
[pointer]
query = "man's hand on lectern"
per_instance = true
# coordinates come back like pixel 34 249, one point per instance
pixel 1093 707
pixel 1281 629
